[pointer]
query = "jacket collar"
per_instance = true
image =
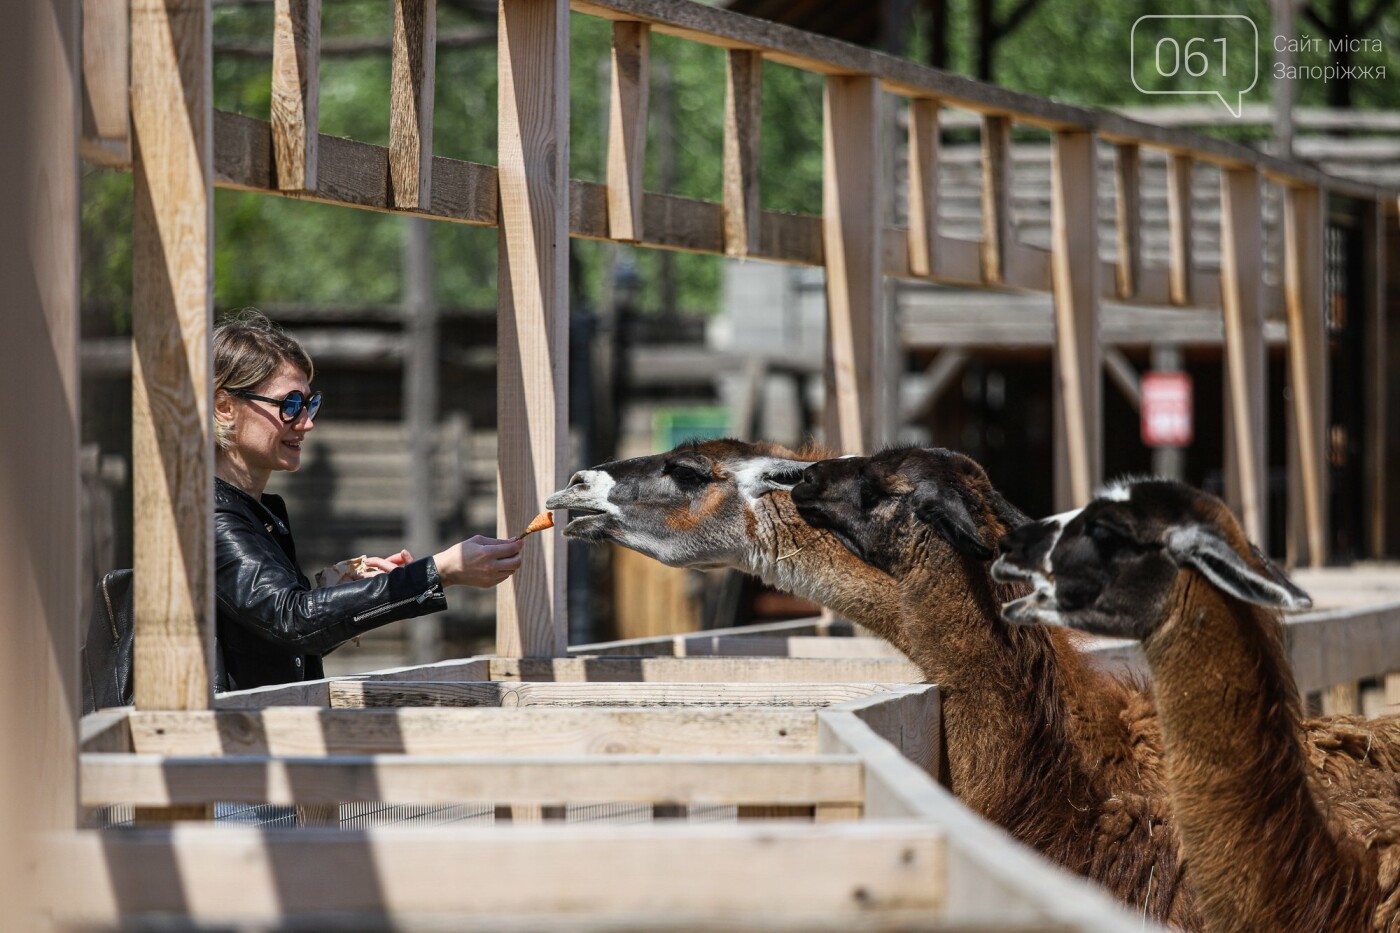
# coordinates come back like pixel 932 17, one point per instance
pixel 269 509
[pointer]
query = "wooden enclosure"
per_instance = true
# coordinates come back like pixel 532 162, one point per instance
pixel 824 756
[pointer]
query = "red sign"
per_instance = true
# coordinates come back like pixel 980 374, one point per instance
pixel 1166 409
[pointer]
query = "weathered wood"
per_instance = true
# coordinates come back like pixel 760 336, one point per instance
pixel 1304 258
pixel 743 107
pixel 1241 277
pixel 997 230
pixel 296 92
pixel 172 276
pixel 1179 274
pixel 106 79
pixel 411 103
pixel 922 190
pixel 1376 225
pixel 910 720
pixel 855 350
pixel 627 128
pixel 1075 258
pixel 353 694
pixel 532 395
pixel 709 670
pixel 1128 218
pixel 107 730
pixel 524 731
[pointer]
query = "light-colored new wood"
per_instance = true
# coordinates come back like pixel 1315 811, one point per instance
pixel 349 694
pixel 532 343
pixel 1179 225
pixel 627 128
pixel 106 71
pixel 922 190
pixel 851 198
pixel 1304 257
pixel 296 92
pixel 107 730
pixel 1241 279
pixel 1128 218
pixel 710 670
pixel 411 103
pixel 1341 700
pixel 533 730
pixel 1075 259
pixel 997 230
pixel 743 107
pixel 172 297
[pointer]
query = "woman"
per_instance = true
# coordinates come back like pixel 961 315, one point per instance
pixel 272 626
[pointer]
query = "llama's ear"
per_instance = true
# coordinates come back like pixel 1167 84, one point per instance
pixel 1222 565
pixel 947 514
pixel 770 474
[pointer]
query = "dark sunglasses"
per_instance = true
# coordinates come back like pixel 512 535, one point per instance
pixel 289 408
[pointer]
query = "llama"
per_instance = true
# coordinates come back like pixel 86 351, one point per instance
pixel 1063 756
pixel 1286 824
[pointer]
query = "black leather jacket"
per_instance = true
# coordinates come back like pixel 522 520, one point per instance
pixel 272 626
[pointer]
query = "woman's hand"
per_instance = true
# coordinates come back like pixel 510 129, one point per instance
pixel 479 561
pixel 373 565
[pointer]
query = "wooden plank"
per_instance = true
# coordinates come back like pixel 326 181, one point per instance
pixel 107 730
pixel 106 75
pixel 743 108
pixel 910 720
pixel 353 694
pixel 1128 219
pixel 957 261
pixel 922 191
pixel 1029 267
pixel 296 92
pixel 1374 229
pixel 627 128
pixel 156 780
pixel 523 731
pixel 1179 225
pixel 1341 700
pixel 1304 258
pixel 1241 279
pixel 852 205
pixel 532 382
pixel 1078 380
pixel 708 670
pixel 1343 645
pixel 411 103
pixel 840 874
pixel 172 292
pixel 789 237
pixel 317 692
pixel 997 230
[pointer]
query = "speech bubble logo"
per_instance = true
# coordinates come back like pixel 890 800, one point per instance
pixel 1214 54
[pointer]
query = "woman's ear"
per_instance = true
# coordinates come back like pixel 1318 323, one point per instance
pixel 223 408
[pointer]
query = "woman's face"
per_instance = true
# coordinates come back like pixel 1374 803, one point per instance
pixel 262 440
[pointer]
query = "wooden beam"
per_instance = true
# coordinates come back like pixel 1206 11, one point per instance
pixel 627 128
pixel 296 92
pixel 910 720
pixel 534 730
pixel 1375 229
pixel 1129 220
pixel 106 79
pixel 852 205
pixel 1078 367
pixel 997 231
pixel 922 190
pixel 411 103
pixel 1304 260
pixel 354 694
pixel 709 670
pixel 532 395
pixel 743 109
pixel 172 292
pixel 1241 281
pixel 1179 227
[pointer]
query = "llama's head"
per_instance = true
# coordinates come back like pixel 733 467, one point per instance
pixel 694 506
pixel 1111 567
pixel 907 507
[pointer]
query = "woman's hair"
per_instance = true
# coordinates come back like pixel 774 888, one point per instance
pixel 248 350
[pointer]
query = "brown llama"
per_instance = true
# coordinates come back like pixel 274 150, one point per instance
pixel 1285 824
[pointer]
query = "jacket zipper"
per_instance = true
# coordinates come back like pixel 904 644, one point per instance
pixel 111 616
pixel 389 607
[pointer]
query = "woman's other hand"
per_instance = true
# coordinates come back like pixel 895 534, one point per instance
pixel 479 561
pixel 373 565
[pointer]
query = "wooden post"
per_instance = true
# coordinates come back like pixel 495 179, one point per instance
pixel 1303 215
pixel 1241 285
pixel 627 128
pixel 1179 228
pixel 1373 228
pixel 743 106
pixel 411 103
pixel 923 184
pixel 106 77
pixel 172 293
pixel 1129 220
pixel 296 92
pixel 855 352
pixel 996 198
pixel 39 463
pixel 533 331
pixel 1078 367
pixel 420 417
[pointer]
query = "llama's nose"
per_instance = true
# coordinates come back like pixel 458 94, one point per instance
pixel 579 479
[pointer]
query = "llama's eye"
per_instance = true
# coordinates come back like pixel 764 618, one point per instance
pixel 686 476
pixel 869 493
pixel 1109 533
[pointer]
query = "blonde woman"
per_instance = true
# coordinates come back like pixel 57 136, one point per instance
pixel 272 626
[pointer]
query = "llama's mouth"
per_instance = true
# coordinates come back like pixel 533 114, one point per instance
pixel 586 523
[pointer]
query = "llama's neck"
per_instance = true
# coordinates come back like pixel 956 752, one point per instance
pixel 1260 850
